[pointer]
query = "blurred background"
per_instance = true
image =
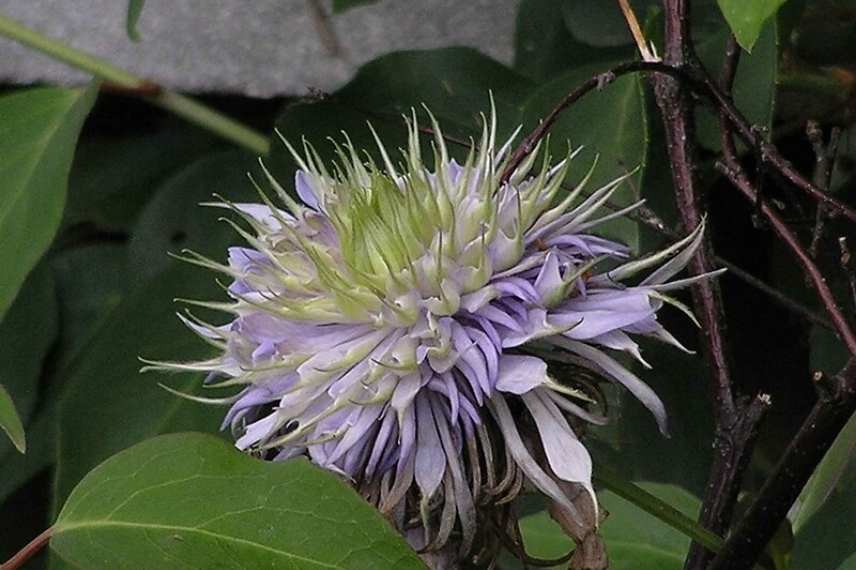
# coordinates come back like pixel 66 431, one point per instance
pixel 101 294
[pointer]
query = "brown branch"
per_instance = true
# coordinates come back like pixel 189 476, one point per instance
pixel 846 261
pixel 30 550
pixel 735 422
pixel 824 156
pixel 730 167
pixel 769 154
pixel 835 405
pixel 597 82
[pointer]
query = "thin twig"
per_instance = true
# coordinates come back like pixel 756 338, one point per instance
pixel 730 167
pixel 835 406
pixel 735 428
pixel 324 28
pixel 824 154
pixel 31 549
pixel 846 261
pixel 120 79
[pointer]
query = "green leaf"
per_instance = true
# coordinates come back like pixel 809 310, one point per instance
pixel 106 404
pixel 41 451
pixel 747 17
pixel 821 540
pixel 454 83
pixel 110 194
pixel 634 539
pixel 826 538
pixel 174 220
pixel 849 564
pixel 87 297
pixel 755 83
pixel 610 123
pixel 340 6
pixel 38 133
pixel 10 422
pixel 828 476
pixel 601 24
pixel 26 335
pixel 191 500
pixel 135 8
pixel 544 46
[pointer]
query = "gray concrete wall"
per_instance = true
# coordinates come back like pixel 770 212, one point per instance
pixel 255 47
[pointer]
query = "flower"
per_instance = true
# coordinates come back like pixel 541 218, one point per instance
pixel 384 327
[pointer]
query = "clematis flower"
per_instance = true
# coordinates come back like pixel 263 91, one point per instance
pixel 391 326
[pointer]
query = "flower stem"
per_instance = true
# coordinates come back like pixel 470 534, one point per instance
pixel 657 508
pixel 184 107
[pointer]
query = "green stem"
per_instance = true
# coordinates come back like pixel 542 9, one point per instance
pixel 184 107
pixel 654 506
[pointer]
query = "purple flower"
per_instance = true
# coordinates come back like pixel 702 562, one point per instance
pixel 389 327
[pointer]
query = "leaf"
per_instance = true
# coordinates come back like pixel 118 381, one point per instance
pixel 821 540
pixel 849 564
pixel 755 83
pixel 135 8
pixel 174 220
pixel 827 539
pixel 26 335
pixel 10 422
pixel 610 123
pixel 544 46
pixel 340 6
pixel 601 24
pixel 191 500
pixel 454 83
pixel 110 194
pixel 827 477
pixel 634 539
pixel 634 445
pixel 38 133
pixel 106 404
pixel 747 17
pixel 41 451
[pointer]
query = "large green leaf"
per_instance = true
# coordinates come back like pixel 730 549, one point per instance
pixel 41 438
pixel 634 539
pixel 610 123
pixel 86 297
pixel 746 18
pixel 26 336
pixel 821 539
pixel 38 133
pixel 825 481
pixel 110 194
pixel 193 501
pixel 107 405
pixel 601 24
pixel 849 564
pixel 454 83
pixel 174 220
pixel 755 83
pixel 10 421
pixel 827 537
pixel 544 46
